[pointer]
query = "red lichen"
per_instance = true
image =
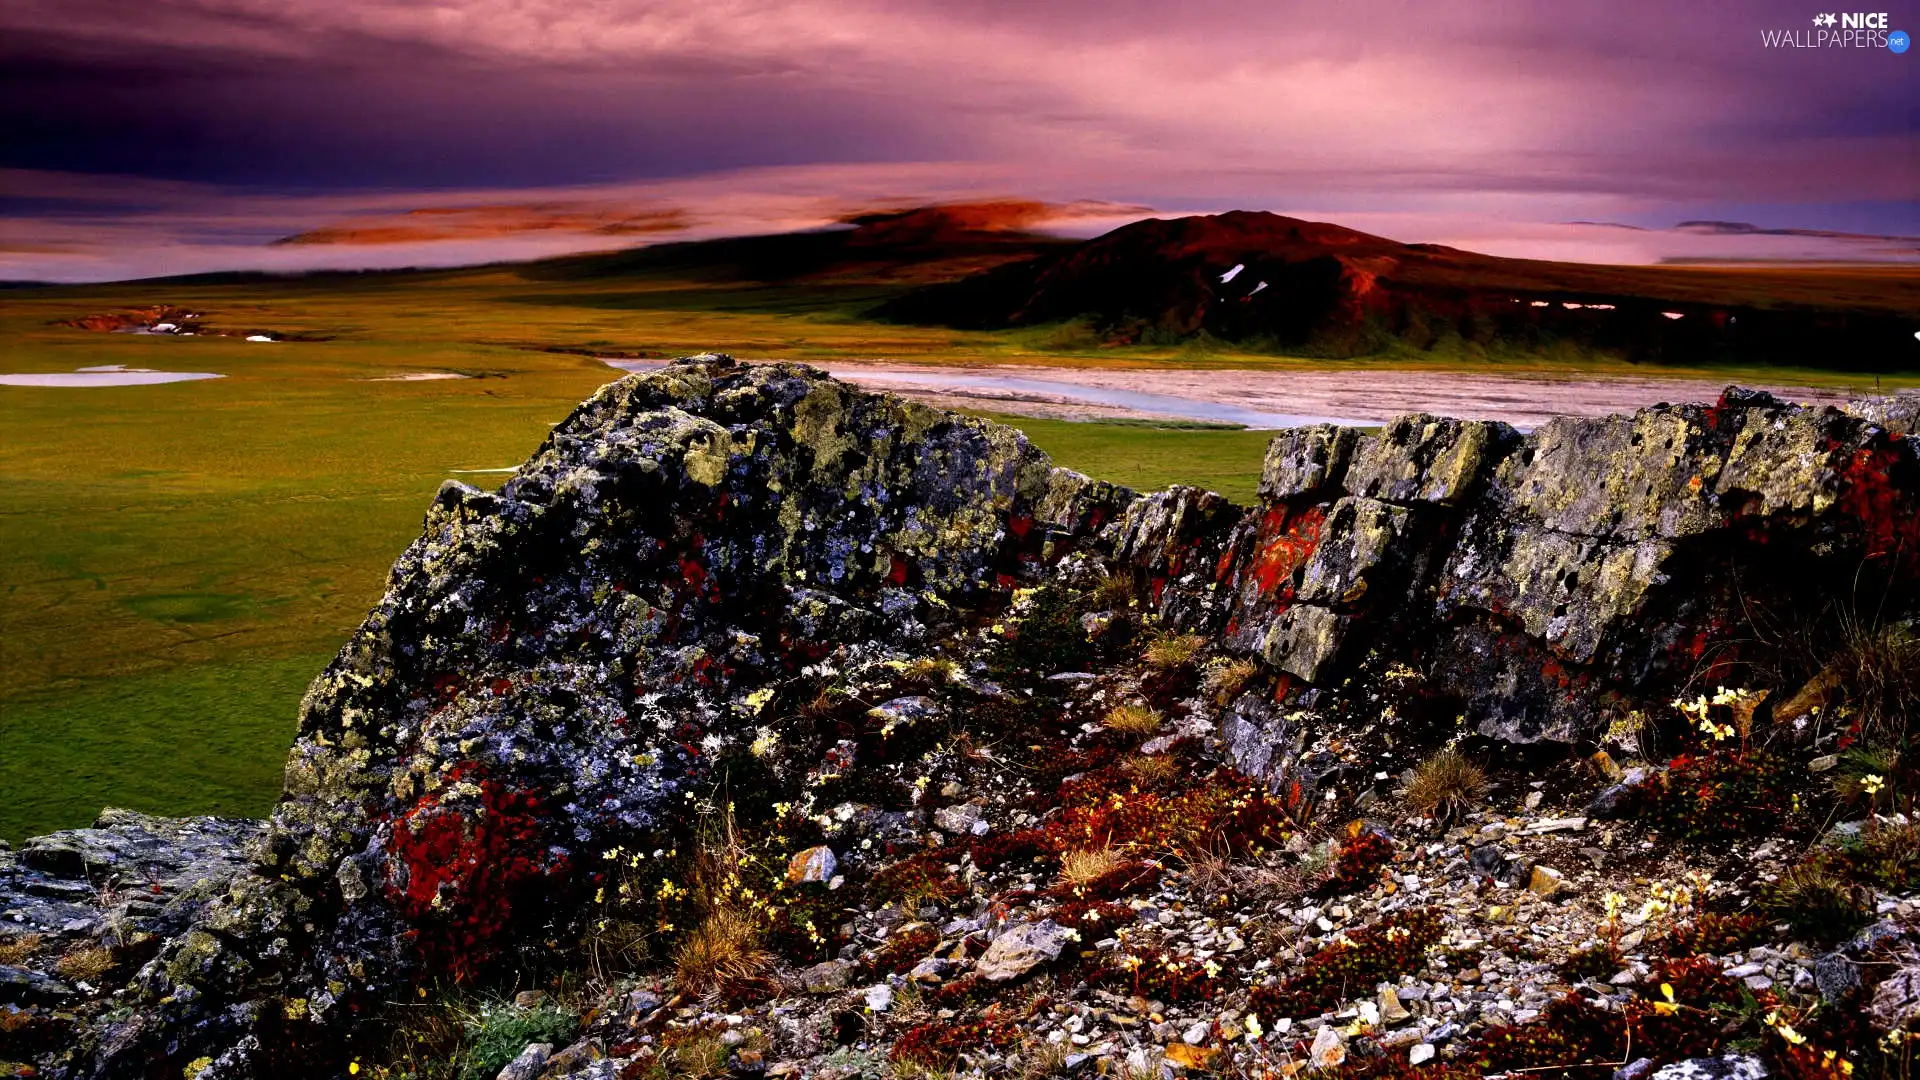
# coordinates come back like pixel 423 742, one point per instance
pixel 464 866
pixel 1286 541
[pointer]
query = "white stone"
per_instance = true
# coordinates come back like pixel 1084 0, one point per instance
pixel 1328 1049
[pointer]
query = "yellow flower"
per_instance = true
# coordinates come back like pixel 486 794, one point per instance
pixel 1784 1029
pixel 1872 783
pixel 1669 1006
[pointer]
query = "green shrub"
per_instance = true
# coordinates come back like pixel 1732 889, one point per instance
pixel 497 1032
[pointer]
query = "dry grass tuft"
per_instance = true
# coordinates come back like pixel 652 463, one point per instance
pixel 1446 785
pixel 14 950
pixel 1151 770
pixel 1081 867
pixel 1879 674
pixel 1216 876
pixel 822 706
pixel 929 671
pixel 721 955
pixel 1173 652
pixel 88 963
pixel 699 1057
pixel 1872 675
pixel 1133 720
pixel 1114 593
pixel 1040 1059
pixel 907 1068
pixel 1226 678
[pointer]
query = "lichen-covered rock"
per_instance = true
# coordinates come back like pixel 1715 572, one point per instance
pixel 1567 590
pixel 1305 640
pixel 1426 459
pixel 1899 413
pixel 1019 949
pixel 1896 1001
pixel 1554 581
pixel 1360 537
pixel 556 665
pixel 1306 460
pixel 131 873
pixel 1726 1067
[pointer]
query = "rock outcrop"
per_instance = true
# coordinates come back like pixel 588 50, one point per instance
pixel 566 665
pixel 1547 584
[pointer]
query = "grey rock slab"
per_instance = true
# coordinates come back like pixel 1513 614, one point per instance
pixel 1021 948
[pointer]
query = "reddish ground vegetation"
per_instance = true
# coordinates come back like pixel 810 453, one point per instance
pixel 1383 950
pixel 1717 795
pixel 1361 858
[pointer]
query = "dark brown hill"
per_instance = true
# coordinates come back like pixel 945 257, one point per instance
pixel 1280 282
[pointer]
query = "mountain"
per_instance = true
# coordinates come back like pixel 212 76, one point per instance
pixel 1321 289
pixel 916 246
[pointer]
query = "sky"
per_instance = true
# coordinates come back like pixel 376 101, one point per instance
pixel 166 136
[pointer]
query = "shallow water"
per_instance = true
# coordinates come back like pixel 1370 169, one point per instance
pixel 1141 401
pixel 108 375
pixel 1012 387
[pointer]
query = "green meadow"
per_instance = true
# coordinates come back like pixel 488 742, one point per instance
pixel 179 560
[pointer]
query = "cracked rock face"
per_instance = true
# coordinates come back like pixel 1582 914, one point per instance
pixel 564 666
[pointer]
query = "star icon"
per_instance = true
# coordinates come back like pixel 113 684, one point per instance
pixel 1824 20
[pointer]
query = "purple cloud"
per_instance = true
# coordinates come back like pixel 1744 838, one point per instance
pixel 1522 113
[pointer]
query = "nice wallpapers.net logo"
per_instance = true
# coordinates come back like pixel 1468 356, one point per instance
pixel 1842 30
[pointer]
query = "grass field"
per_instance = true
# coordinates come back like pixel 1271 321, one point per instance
pixel 182 558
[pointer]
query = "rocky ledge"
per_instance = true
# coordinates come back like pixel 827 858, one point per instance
pixel 761 725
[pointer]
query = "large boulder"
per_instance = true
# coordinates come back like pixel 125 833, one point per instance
pixel 557 666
